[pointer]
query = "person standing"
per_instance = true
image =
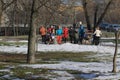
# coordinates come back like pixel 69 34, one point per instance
pixel 97 35
pixel 43 34
pixel 59 35
pixel 65 34
pixel 52 34
pixel 81 32
pixel 71 34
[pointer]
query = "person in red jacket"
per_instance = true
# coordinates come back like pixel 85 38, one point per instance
pixel 65 34
pixel 52 34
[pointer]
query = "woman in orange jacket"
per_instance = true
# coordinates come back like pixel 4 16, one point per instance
pixel 43 34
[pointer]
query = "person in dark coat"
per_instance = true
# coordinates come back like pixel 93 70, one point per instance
pixel 72 35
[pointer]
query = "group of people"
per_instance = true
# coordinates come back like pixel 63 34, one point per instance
pixel 59 35
pixel 54 34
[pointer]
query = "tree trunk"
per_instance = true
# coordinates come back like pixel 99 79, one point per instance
pixel 115 54
pixel 86 14
pixel 95 17
pixel 0 17
pixel 32 37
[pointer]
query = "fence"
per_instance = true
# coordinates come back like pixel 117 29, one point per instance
pixel 14 31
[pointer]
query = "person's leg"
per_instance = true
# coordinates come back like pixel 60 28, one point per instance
pixel 65 40
pixel 74 40
pixel 60 39
pixel 57 39
pixel 70 39
pixel 80 39
pixel 44 39
pixel 96 40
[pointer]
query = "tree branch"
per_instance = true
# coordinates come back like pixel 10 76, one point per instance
pixel 7 5
pixel 42 4
pixel 103 14
pixel 2 2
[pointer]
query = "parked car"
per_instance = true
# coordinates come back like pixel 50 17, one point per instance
pixel 104 26
pixel 113 27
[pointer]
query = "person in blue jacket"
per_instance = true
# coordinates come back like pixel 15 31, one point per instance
pixel 81 32
pixel 59 35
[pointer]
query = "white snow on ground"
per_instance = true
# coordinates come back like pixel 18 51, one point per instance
pixel 76 48
pixel 84 67
pixel 13 49
pixel 62 75
pixel 101 67
pixel 80 66
pixel 5 70
pixel 63 47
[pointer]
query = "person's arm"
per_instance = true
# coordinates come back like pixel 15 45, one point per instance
pixel 83 29
pixel 94 33
pixel 79 31
pixel 100 33
pixel 56 32
pixel 61 31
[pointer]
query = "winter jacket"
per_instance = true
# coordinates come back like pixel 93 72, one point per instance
pixel 97 33
pixel 59 32
pixel 81 31
pixel 72 32
pixel 43 31
pixel 65 32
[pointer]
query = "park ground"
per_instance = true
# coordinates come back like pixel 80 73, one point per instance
pixel 58 62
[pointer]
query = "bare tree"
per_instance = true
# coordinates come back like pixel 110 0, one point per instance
pixel 117 33
pixel 25 8
pixel 103 14
pixel 86 14
pixel 32 36
pixel 32 33
pixel 97 18
pixel 114 10
pixel 4 5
